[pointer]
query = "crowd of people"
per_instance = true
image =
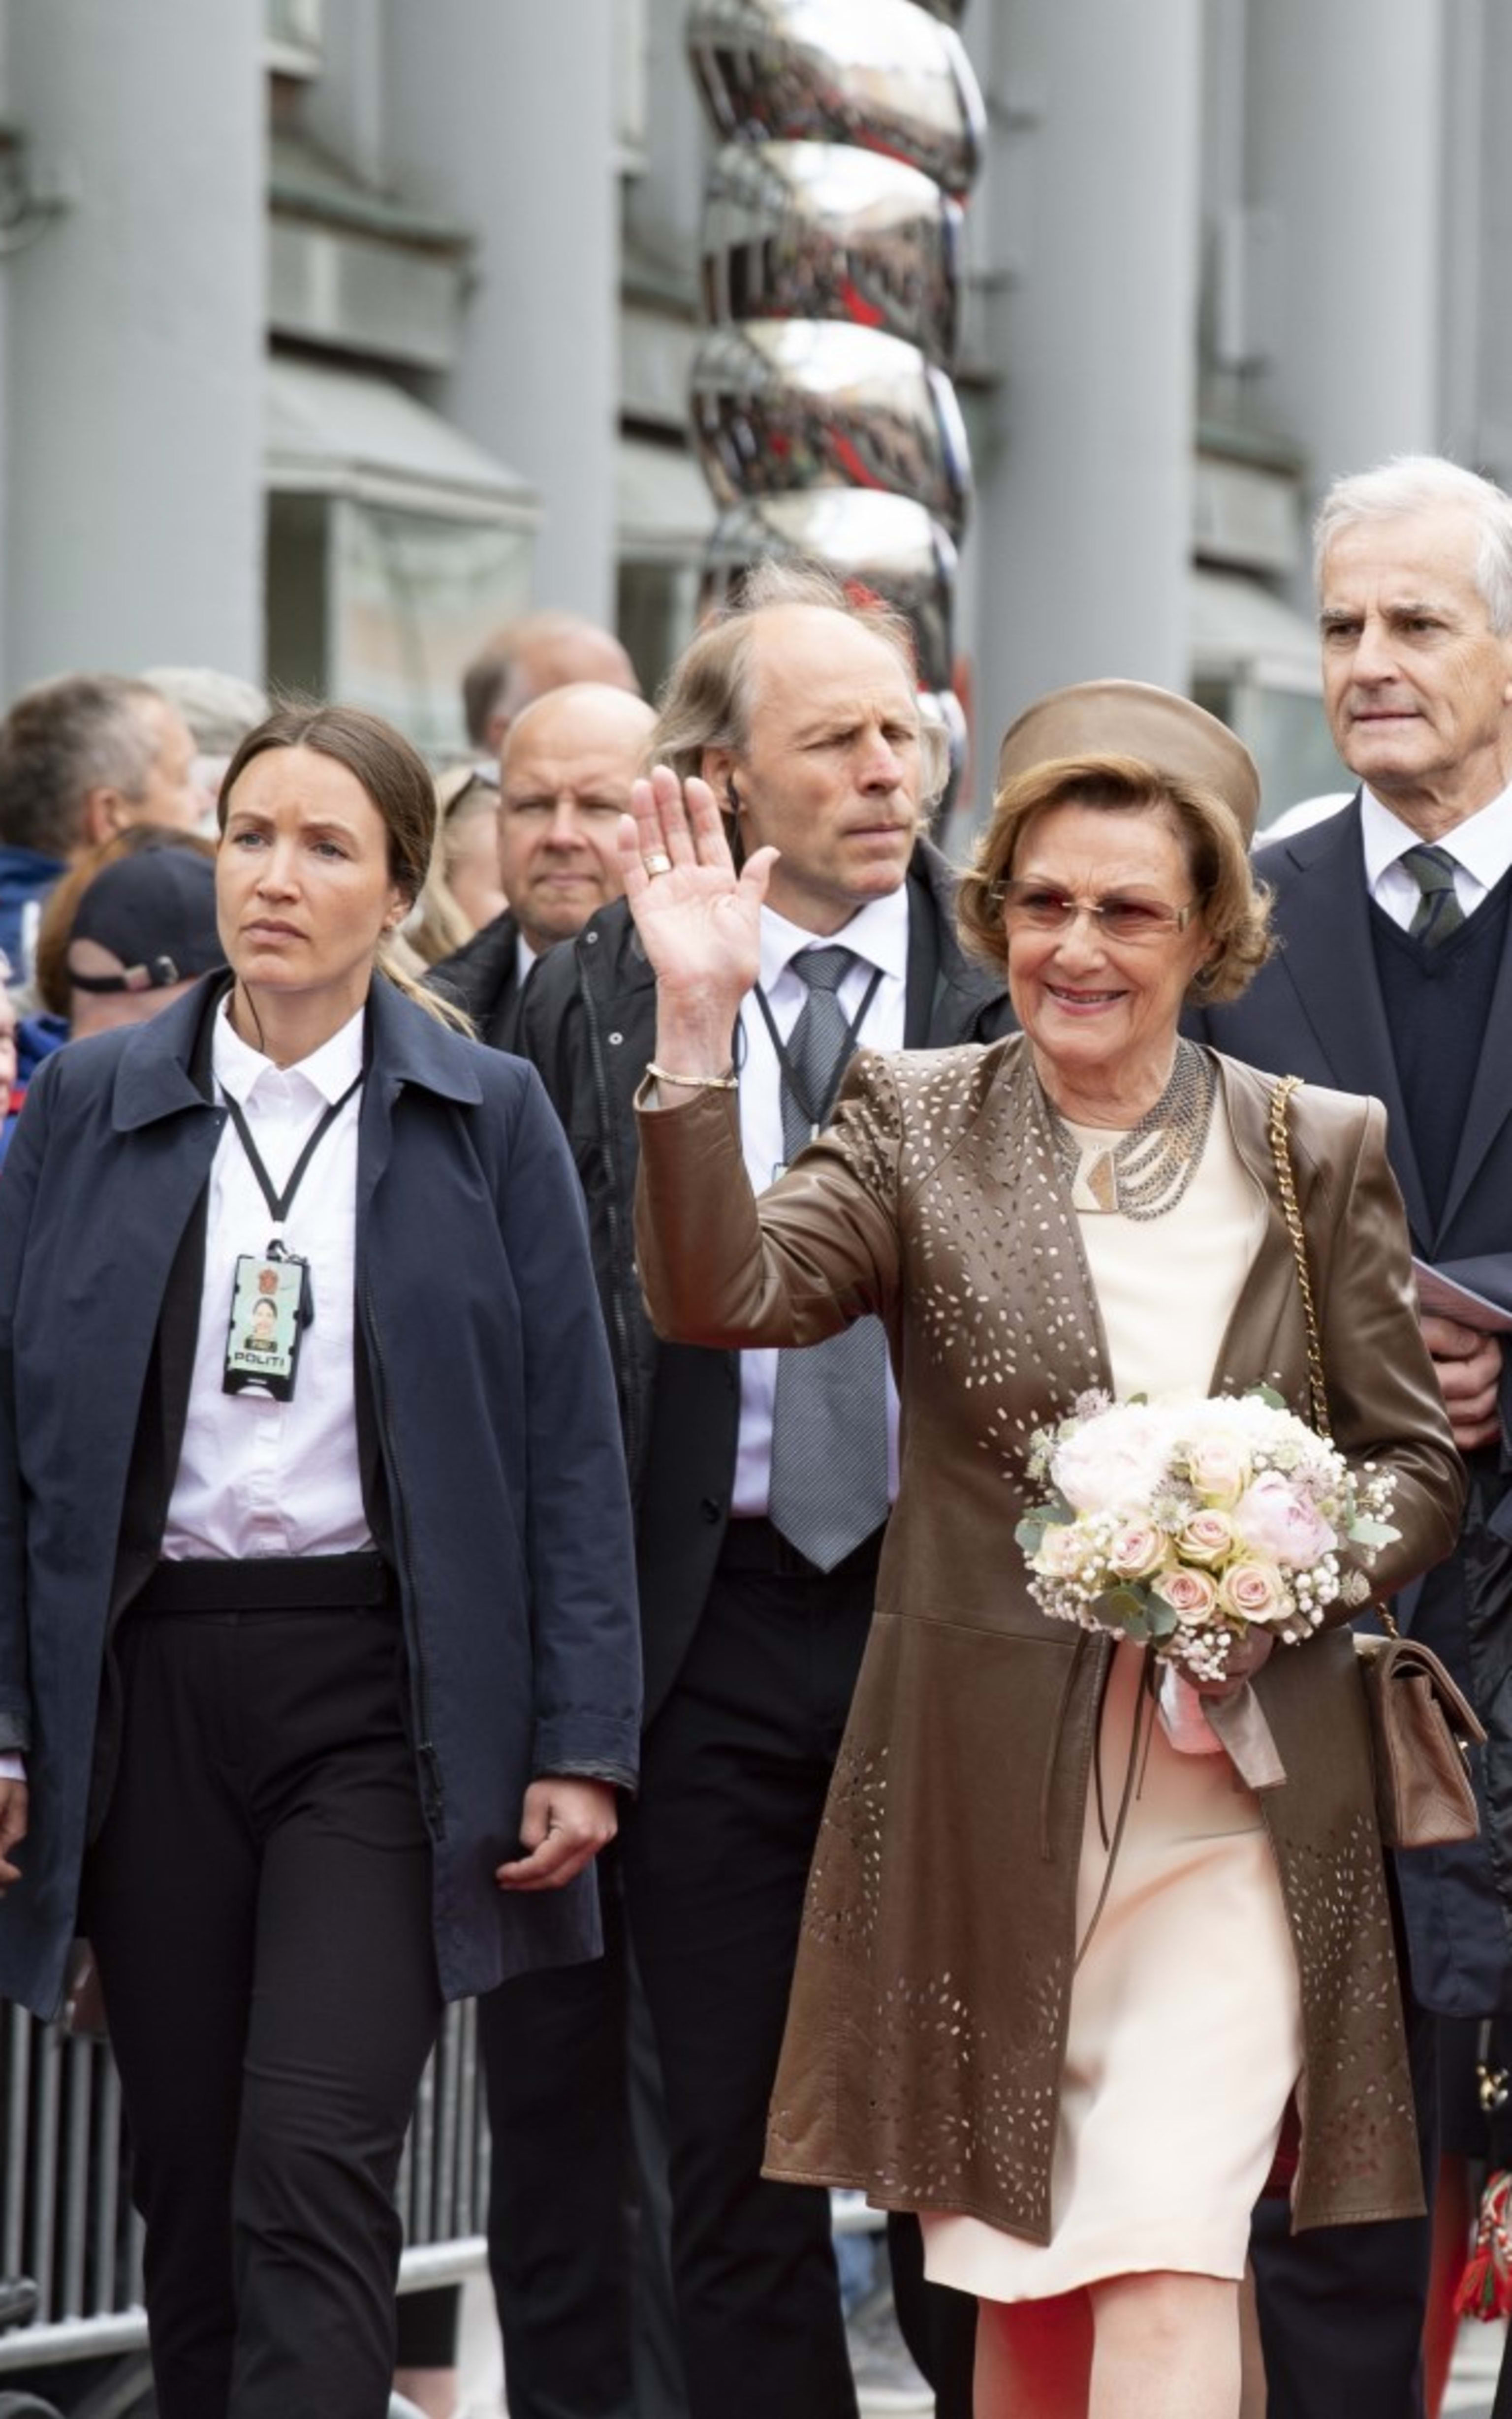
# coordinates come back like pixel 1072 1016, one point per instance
pixel 524 1300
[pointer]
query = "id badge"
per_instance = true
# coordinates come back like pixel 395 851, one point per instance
pixel 268 1297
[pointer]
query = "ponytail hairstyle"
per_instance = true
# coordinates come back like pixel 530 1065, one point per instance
pixel 396 780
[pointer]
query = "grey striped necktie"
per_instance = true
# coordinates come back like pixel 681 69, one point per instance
pixel 1437 912
pixel 829 1487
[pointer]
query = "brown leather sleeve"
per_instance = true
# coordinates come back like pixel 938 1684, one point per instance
pixel 1383 1392
pixel 818 1249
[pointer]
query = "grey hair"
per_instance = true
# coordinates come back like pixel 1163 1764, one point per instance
pixel 500 679
pixel 82 731
pixel 706 701
pixel 1427 482
pixel 219 708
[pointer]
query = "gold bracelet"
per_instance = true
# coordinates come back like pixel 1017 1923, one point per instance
pixel 726 1083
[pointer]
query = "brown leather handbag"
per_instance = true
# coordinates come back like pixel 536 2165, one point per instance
pixel 1421 1726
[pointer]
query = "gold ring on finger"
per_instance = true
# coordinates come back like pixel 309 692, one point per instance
pixel 657 862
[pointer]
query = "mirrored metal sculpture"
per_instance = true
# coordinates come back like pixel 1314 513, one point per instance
pixel 785 404
pixel 885 544
pixel 821 231
pixel 823 412
pixel 886 75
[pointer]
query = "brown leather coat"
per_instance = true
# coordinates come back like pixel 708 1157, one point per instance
pixel 928 2022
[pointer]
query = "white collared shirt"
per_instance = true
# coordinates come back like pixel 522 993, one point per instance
pixel 878 934
pixel 258 1476
pixel 1481 847
pixel 525 957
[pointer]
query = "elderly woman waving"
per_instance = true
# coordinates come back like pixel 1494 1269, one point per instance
pixel 1068 2040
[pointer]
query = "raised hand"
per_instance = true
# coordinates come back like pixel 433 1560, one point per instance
pixel 699 921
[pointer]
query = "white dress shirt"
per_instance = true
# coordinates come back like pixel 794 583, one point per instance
pixel 525 957
pixel 879 936
pixel 258 1476
pixel 1481 847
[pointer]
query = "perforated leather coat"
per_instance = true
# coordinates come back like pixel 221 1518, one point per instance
pixel 928 2022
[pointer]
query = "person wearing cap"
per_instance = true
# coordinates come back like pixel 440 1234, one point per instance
pixel 1072 2056
pixel 143 932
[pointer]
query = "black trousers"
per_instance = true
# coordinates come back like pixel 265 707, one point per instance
pixel 577 2213
pixel 735 1771
pixel 259 1904
pixel 1342 2307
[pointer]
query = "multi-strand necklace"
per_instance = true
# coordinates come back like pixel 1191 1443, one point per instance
pixel 1145 1172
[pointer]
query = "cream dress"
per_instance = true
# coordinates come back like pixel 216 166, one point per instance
pixel 1185 2029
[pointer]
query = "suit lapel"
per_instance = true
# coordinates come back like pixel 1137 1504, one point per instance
pixel 1490 1098
pixel 1330 958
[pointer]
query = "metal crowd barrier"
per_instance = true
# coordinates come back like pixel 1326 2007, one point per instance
pixel 66 2218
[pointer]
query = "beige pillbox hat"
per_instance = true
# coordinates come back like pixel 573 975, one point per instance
pixel 1119 718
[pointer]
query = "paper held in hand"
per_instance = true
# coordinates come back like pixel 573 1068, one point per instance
pixel 1450 1292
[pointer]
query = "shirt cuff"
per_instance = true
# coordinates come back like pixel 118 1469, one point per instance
pixel 12 1768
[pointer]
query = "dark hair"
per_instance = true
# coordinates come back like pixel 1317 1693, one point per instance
pixel 392 773
pixel 395 779
pixel 62 739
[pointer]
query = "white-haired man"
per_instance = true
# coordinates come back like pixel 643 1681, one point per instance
pixel 1395 977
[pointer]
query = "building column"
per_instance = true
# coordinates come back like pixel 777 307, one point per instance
pixel 517 141
pixel 134 340
pixel 1080 553
pixel 1346 138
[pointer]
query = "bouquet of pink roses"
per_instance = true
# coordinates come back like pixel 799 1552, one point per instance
pixel 1183 1523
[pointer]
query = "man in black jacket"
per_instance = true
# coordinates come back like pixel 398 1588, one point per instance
pixel 580 2333
pixel 1395 976
pixel 756 1586
pixel 564 780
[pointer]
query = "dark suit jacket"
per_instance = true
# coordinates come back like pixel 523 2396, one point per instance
pixel 589 1025
pixel 483 977
pixel 1317 1010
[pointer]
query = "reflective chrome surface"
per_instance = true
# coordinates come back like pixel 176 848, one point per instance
pixel 884 75
pixel 822 231
pixel 887 544
pixel 943 706
pixel 785 404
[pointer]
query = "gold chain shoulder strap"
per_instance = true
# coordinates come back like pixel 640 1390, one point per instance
pixel 1281 1151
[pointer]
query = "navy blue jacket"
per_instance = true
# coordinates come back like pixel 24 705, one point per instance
pixel 497 1420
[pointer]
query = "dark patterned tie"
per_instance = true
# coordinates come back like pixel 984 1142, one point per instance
pixel 1437 912
pixel 829 1422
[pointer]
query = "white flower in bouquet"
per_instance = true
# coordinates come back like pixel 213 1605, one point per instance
pixel 1102 1464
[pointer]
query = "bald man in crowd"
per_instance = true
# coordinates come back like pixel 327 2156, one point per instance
pixel 527 659
pixel 564 780
pixel 584 2300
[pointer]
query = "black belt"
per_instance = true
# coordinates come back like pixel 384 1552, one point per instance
pixel 755 1545
pixel 272 1583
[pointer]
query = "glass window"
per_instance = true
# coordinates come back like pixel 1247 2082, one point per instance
pixel 295 37
pixel 384 607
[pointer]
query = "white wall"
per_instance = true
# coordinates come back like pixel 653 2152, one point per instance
pixel 503 117
pixel 133 389
pixel 1346 130
pixel 1080 554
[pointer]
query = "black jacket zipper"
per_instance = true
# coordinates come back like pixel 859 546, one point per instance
pixel 623 1276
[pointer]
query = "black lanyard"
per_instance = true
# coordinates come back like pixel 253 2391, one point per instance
pixel 279 1204
pixel 790 1074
